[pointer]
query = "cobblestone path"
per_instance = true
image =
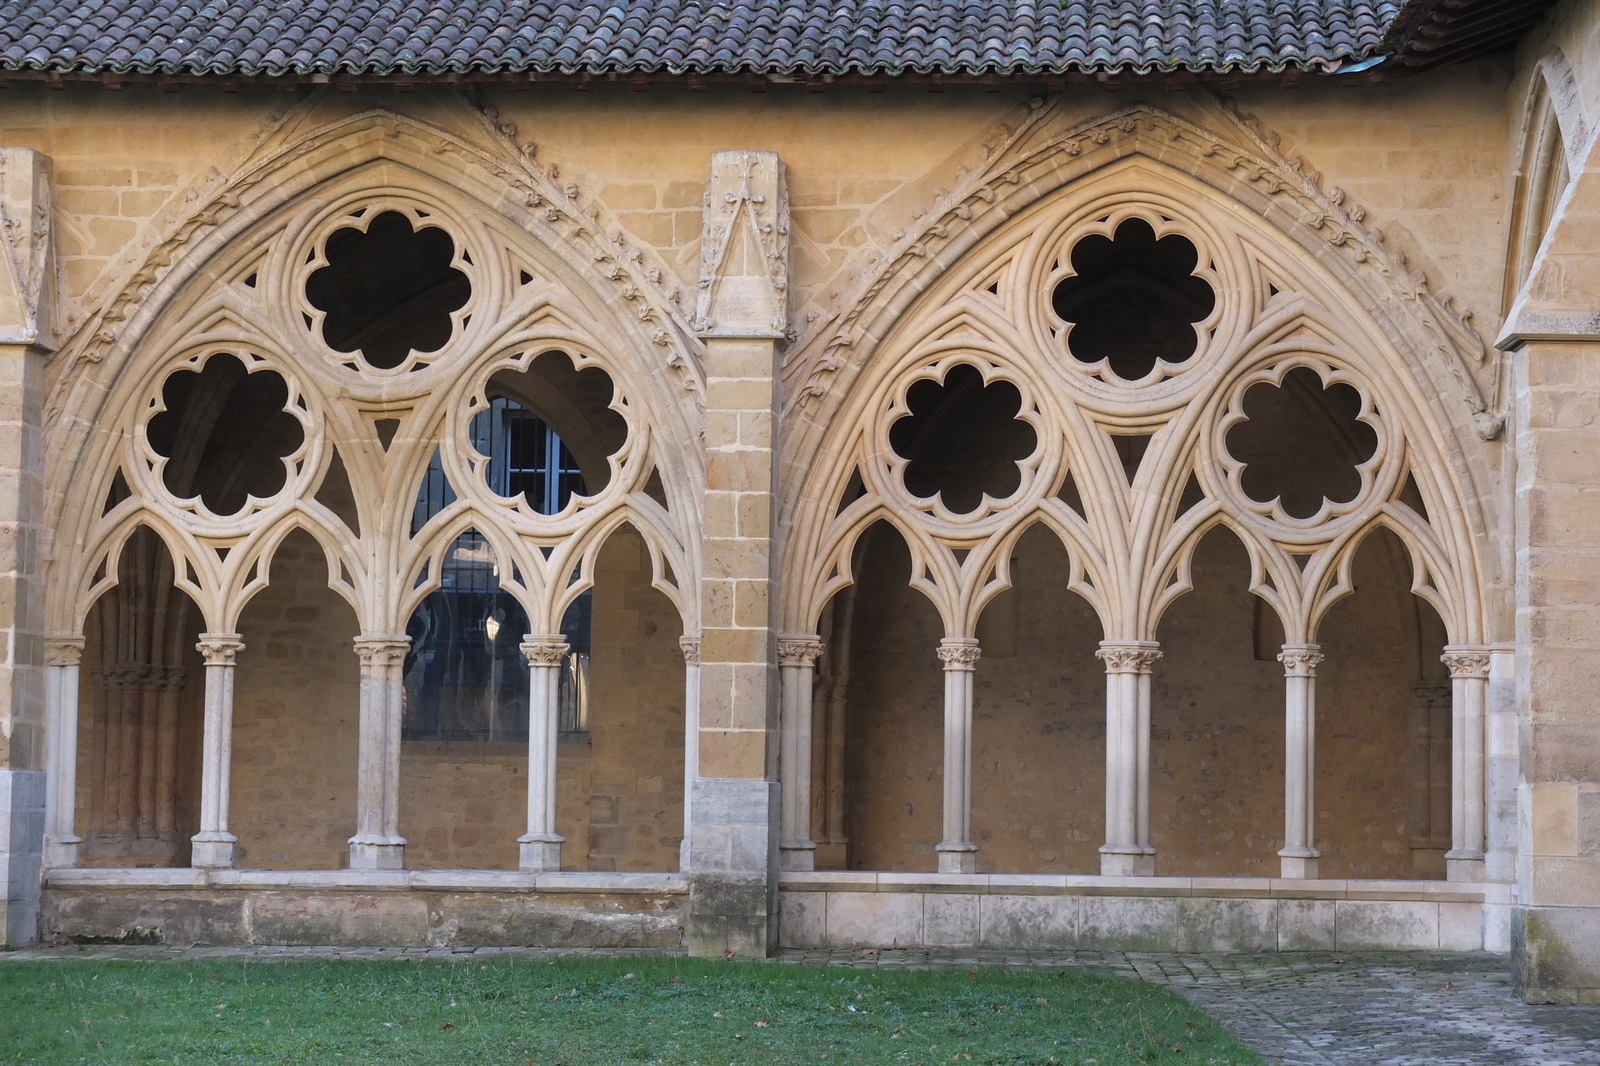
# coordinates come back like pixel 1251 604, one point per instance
pixel 1300 1009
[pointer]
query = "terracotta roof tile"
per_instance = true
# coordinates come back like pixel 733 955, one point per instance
pixel 785 37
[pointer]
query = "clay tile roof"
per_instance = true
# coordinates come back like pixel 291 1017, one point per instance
pixel 798 38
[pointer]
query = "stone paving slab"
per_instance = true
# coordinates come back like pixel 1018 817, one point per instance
pixel 1295 1009
pixel 1329 1009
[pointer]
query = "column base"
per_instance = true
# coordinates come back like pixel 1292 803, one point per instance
pixel 1127 860
pixel 1464 866
pixel 61 851
pixel 959 857
pixel 540 851
pixel 1298 864
pixel 797 855
pixel 377 853
pixel 212 850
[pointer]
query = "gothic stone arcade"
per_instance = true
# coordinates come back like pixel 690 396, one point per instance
pixel 1117 556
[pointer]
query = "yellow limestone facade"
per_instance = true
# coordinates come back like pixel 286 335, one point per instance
pixel 911 623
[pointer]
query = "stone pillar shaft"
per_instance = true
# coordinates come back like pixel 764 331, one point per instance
pixel 378 844
pixel 797 661
pixel 540 846
pixel 1298 857
pixel 63 659
pixel 1469 699
pixel 691 740
pixel 957 853
pixel 213 845
pixel 1127 851
pixel 741 318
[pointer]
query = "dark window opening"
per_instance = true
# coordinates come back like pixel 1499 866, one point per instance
pixel 225 433
pixel 1133 300
pixel 526 457
pixel 388 290
pixel 1301 443
pixel 465 676
pixel 962 439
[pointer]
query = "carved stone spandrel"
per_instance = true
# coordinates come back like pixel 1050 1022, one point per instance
pixel 27 267
pixel 744 248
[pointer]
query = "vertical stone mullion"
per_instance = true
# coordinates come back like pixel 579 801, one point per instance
pixel 957 853
pixel 1469 697
pixel 377 844
pixel 1127 851
pixel 1299 855
pixel 63 659
pixel 540 846
pixel 691 740
pixel 797 660
pixel 213 844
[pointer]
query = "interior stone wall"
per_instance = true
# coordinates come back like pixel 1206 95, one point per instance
pixel 1217 740
pixel 91 772
pixel 297 693
pixel 1216 724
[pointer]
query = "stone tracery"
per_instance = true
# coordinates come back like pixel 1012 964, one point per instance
pixel 374 408
pixel 1273 324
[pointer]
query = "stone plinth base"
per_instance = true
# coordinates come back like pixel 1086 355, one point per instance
pixel 892 910
pixel 21 854
pixel 732 848
pixel 1555 954
pixel 416 908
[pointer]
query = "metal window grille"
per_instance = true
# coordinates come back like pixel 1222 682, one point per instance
pixel 465 678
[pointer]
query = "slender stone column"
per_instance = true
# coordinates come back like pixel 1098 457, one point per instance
pixel 541 844
pixel 691 739
pixel 1127 851
pixel 1469 700
pixel 213 845
pixel 62 656
pixel 957 853
pixel 797 663
pixel 378 844
pixel 1298 857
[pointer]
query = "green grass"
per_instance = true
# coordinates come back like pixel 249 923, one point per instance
pixel 581 1011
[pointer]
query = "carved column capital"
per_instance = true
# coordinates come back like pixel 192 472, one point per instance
pixel 799 649
pixel 63 651
pixel 1300 660
pixel 691 650
pixel 959 653
pixel 1466 660
pixel 1128 656
pixel 382 649
pixel 219 649
pixel 547 650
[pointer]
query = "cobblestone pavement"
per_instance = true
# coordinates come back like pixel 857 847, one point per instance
pixel 1320 1009
pixel 1302 1009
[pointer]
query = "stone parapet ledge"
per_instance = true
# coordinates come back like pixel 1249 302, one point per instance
pixel 1158 887
pixel 569 881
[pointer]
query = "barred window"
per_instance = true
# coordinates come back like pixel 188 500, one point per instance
pixel 465 678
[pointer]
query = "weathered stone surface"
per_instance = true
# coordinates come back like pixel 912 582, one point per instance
pixel 378 918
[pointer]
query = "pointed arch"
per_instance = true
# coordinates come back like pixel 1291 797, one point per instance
pixel 587 291
pixel 1315 276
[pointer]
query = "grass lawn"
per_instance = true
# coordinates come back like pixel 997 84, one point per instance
pixel 581 1011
